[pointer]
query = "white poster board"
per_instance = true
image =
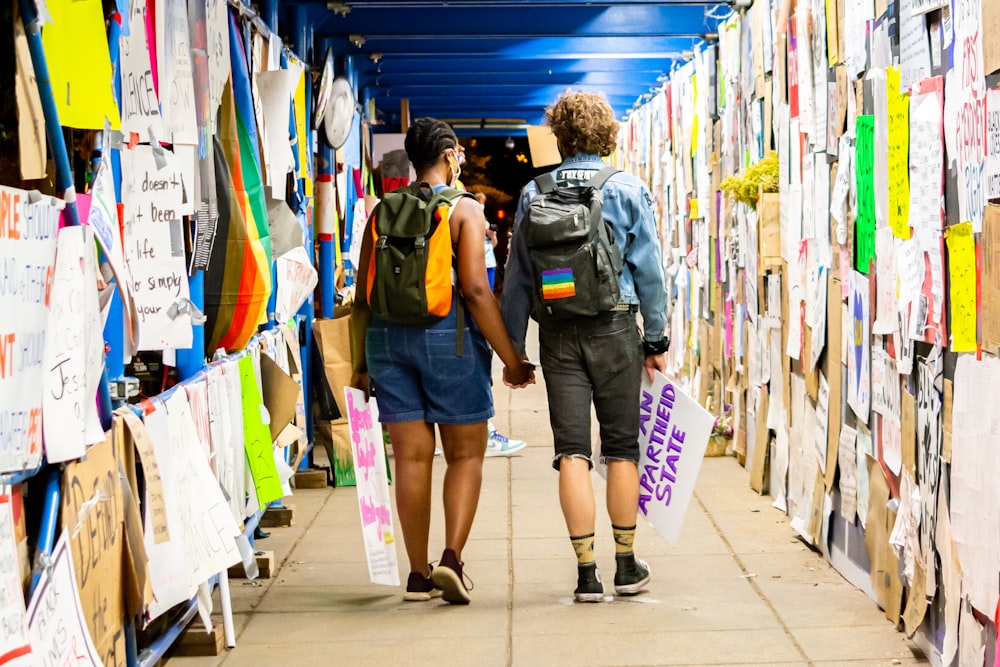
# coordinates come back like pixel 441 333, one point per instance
pixel 15 645
pixel 371 475
pixel 153 194
pixel 27 257
pixel 55 616
pixel 74 349
pixel 673 436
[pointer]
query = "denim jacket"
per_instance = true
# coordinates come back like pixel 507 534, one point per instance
pixel 628 207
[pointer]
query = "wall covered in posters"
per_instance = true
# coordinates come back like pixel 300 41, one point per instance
pixel 847 340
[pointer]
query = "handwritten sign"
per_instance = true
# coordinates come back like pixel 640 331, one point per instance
pixel 914 46
pixel 962 282
pixel 15 644
pixel 296 281
pixel 103 218
pixel 206 527
pixel 140 105
pixel 92 517
pixel 257 437
pixel 864 223
pixel 926 156
pixel 150 470
pixel 176 78
pixel 154 247
pixel 217 27
pixel 74 349
pixel 673 434
pixel 27 262
pixel 898 105
pixel 202 529
pixel 991 177
pixel 859 356
pixel 965 111
pixel 372 479
pixel 55 618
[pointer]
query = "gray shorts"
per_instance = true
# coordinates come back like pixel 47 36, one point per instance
pixel 596 359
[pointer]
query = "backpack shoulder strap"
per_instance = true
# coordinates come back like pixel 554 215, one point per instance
pixel 598 180
pixel 546 183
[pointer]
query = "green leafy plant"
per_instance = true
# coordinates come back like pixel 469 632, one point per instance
pixel 745 185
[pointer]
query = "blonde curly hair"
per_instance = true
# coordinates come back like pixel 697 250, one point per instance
pixel 583 123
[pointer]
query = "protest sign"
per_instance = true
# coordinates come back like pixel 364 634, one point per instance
pixel 202 529
pixel 92 515
pixel 55 618
pixel 257 436
pixel 27 258
pixel 140 105
pixel 296 281
pixel 152 194
pixel 371 474
pixel 673 434
pixel 859 360
pixel 74 349
pixel 15 645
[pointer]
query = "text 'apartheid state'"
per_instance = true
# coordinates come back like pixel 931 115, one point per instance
pixel 664 449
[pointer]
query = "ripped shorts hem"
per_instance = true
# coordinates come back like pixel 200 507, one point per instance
pixel 578 455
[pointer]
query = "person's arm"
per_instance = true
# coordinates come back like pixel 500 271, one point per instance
pixel 467 221
pixel 516 298
pixel 645 262
pixel 361 313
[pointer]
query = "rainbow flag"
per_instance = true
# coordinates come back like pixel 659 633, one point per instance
pixel 558 284
pixel 238 279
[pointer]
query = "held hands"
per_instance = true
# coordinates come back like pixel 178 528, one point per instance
pixel 519 376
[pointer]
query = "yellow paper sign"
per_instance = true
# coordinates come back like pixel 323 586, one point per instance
pixel 899 155
pixel 76 51
pixel 962 269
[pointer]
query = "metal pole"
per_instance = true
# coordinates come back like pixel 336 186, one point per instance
pixel 53 129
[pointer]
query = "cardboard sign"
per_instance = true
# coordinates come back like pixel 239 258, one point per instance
pixel 92 517
pixel 55 618
pixel 373 488
pixel 27 257
pixel 673 435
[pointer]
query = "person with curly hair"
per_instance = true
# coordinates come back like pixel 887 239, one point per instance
pixel 420 381
pixel 598 359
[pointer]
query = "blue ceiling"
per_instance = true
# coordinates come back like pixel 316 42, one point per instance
pixel 498 64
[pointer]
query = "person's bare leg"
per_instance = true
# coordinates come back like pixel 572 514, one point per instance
pixel 464 447
pixel 623 492
pixel 413 452
pixel 576 495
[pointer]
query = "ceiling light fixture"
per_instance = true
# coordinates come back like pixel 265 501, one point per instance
pixel 509 144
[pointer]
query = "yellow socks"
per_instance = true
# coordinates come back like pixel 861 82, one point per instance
pixel 583 545
pixel 624 538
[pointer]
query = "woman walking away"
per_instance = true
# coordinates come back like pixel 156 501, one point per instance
pixel 421 380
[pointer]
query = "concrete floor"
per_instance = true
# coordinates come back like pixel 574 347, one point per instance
pixel 738 589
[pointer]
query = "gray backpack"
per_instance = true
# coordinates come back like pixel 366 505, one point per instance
pixel 575 262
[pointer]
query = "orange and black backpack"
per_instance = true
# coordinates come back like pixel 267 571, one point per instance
pixel 410 277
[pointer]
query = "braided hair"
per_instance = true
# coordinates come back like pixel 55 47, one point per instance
pixel 426 139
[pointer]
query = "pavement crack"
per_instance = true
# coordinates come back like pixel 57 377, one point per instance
pixel 752 582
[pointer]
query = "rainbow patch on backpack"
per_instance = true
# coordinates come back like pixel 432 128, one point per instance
pixel 558 284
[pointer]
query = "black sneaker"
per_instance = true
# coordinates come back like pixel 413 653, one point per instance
pixel 420 588
pixel 449 578
pixel 588 584
pixel 632 574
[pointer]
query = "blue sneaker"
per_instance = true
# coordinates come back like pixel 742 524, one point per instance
pixel 500 445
